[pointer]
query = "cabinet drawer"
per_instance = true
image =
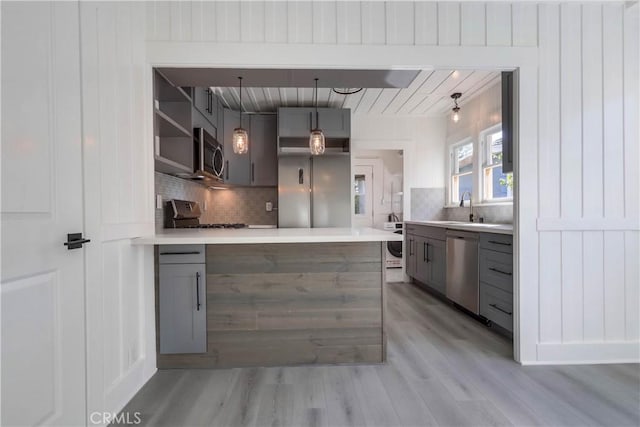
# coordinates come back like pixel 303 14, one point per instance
pixel 497 242
pixel 181 254
pixel 496 305
pixel 496 268
pixel 438 233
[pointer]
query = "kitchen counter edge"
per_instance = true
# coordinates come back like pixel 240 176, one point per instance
pixel 263 236
pixel 477 227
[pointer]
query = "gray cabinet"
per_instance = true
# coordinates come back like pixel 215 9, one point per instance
pixel 426 261
pixel 496 279
pixel 237 168
pixel 298 122
pixel 206 102
pixel 508 129
pixel 263 147
pixel 182 305
pixel 436 259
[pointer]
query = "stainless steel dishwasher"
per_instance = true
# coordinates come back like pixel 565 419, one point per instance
pixel 462 269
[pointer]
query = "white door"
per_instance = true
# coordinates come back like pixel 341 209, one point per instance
pixel 42 282
pixel 363 196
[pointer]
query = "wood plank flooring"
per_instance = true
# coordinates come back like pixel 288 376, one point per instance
pixel 444 369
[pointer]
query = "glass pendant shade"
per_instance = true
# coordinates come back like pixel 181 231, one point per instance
pixel 456 115
pixel 240 141
pixel 316 142
pixel 240 136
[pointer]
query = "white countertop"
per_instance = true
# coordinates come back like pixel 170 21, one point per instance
pixel 480 227
pixel 268 235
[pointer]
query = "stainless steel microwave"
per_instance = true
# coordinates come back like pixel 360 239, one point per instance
pixel 208 156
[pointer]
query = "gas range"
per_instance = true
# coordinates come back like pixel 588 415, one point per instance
pixel 186 214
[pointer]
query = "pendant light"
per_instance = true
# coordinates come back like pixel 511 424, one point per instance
pixel 316 139
pixel 456 110
pixel 240 136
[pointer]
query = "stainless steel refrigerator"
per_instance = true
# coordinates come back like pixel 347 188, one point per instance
pixel 314 191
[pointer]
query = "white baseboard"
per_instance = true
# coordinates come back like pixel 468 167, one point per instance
pixel 586 353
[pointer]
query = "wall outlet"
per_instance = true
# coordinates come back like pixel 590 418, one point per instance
pixel 158 201
pixel 268 206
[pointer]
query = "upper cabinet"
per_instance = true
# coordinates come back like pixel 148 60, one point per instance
pixel 298 122
pixel 173 143
pixel 207 103
pixel 237 167
pixel 263 135
pixel 508 131
pixel 258 167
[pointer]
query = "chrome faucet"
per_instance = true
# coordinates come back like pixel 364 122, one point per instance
pixel 470 204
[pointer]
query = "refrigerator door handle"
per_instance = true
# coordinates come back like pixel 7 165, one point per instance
pixel 300 176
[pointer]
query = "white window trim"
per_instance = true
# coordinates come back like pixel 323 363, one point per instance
pixel 449 202
pixel 483 150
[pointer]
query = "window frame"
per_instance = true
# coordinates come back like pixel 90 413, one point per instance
pixel 485 155
pixel 451 168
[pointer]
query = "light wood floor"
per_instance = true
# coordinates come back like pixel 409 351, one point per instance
pixel 444 369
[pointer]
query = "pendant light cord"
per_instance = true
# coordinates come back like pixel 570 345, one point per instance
pixel 316 102
pixel 240 78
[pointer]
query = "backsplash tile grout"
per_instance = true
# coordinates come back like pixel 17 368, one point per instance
pixel 235 205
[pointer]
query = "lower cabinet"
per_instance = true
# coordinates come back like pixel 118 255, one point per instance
pixel 426 262
pixel 427 257
pixel 182 308
pixel 496 279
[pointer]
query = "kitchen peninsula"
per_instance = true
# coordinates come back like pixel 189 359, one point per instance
pixel 265 297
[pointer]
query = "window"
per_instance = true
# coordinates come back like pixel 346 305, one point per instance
pixel 495 184
pixel 461 170
pixel 360 194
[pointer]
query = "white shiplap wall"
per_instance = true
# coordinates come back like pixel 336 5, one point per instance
pixel 118 183
pixel 585 303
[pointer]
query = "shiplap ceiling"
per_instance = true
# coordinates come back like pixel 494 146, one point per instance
pixel 429 94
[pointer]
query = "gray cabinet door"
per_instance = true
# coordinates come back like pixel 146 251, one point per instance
pixel 182 308
pixel 263 147
pixel 295 122
pixel 298 122
pixel 237 166
pixel 422 261
pixel 437 257
pixel 334 122
pixel 410 248
pixel 508 131
pixel 205 101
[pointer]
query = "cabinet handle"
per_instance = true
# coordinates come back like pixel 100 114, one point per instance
pixel 410 247
pixel 506 273
pixel 226 166
pixel 310 121
pixel 198 291
pixel 209 101
pixel 253 172
pixel 300 176
pixel 499 243
pixel 499 309
pixel 180 253
pixel 426 252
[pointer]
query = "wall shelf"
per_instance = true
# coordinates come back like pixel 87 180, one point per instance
pixel 167 127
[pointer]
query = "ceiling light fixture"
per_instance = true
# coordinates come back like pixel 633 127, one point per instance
pixel 316 139
pixel 240 136
pixel 347 90
pixel 456 110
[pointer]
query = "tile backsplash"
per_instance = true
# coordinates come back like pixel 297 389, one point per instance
pixel 427 204
pixel 497 214
pixel 235 205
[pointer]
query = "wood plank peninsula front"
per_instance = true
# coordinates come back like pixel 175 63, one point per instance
pixel 269 300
